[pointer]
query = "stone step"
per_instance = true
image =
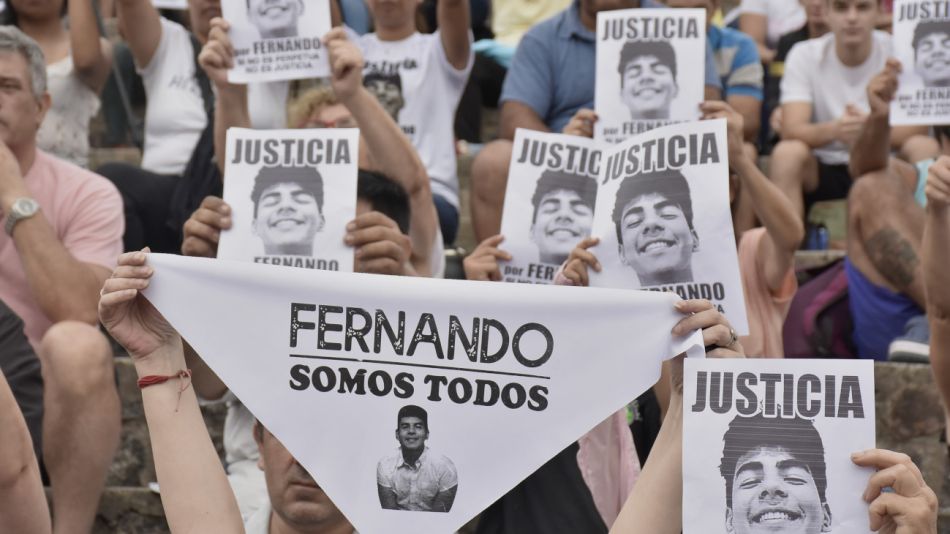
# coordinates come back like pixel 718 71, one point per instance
pixel 100 156
pixel 129 510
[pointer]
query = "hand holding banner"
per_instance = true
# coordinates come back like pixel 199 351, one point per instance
pixel 456 371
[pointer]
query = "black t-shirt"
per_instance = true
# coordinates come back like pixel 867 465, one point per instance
pixel 552 500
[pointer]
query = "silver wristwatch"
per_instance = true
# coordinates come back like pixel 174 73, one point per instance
pixel 22 208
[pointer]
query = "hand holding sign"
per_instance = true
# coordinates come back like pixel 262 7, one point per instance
pixel 580 261
pixel 217 55
pixel 379 245
pixel 346 64
pixel 482 263
pixel 735 127
pixel 938 183
pixel 883 87
pixel 581 124
pixel 128 316
pixel 203 229
pixel 911 508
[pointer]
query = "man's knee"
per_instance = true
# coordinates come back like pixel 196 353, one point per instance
pixel 490 168
pixel 76 358
pixel 791 151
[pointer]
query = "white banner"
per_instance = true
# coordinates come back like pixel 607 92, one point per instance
pixel 353 372
pixel 277 40
pixel 650 70
pixel 292 193
pixel 922 44
pixel 767 445
pixel 549 203
pixel 663 217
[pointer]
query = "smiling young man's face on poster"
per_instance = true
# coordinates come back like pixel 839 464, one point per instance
pixel 275 18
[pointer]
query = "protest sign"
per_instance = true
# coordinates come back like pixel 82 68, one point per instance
pixel 922 44
pixel 277 39
pixel 663 217
pixel 292 193
pixel 170 4
pixel 650 70
pixel 767 445
pixel 549 202
pixel 502 383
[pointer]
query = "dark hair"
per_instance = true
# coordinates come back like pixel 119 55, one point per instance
pixel 928 27
pixel 10 17
pixel 670 184
pixel 551 180
pixel 661 50
pixel 376 76
pixel 385 196
pixel 411 410
pixel 308 178
pixel 796 436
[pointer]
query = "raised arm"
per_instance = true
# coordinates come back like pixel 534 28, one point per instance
pixel 454 20
pixel 92 55
pixel 936 257
pixel 390 150
pixel 216 57
pixel 871 151
pixel 141 27
pixel 656 504
pixel 784 228
pixel 196 495
pixel 22 501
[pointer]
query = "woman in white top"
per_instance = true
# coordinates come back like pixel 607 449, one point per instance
pixel 78 63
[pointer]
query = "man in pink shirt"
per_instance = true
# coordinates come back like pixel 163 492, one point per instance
pixel 63 230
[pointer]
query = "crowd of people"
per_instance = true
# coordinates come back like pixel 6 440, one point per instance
pixel 806 82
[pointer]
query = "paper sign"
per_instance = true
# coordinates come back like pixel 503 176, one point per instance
pixel 277 40
pixel 922 44
pixel 351 370
pixel 292 193
pixel 170 4
pixel 663 217
pixel 650 70
pixel 767 445
pixel 549 202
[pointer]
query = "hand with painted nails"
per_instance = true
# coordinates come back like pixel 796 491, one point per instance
pixel 910 507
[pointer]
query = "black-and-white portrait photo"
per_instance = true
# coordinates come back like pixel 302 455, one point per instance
pixel 563 211
pixel 414 477
pixel 650 70
pixel 288 209
pixel 277 40
pixel 291 193
pixel 932 52
pixel 648 78
pixel 275 18
pixel 387 88
pixel 653 218
pixel 775 476
pixel 788 429
pixel 922 45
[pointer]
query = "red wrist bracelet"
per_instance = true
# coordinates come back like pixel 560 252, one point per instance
pixel 152 380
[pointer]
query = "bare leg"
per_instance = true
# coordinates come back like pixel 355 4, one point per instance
pixel 885 228
pixel 489 179
pixel 81 423
pixel 794 170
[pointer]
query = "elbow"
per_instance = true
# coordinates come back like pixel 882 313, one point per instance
pixel 17 465
pixel 796 234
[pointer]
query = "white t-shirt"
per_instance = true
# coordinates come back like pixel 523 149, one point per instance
pixel 814 74
pixel 65 130
pixel 175 114
pixel 430 88
pixel 783 16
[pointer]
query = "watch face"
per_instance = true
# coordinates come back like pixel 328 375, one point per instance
pixel 24 207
